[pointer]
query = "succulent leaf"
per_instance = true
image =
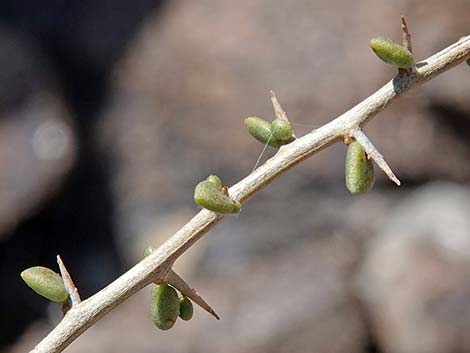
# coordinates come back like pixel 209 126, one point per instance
pixel 392 53
pixel 46 283
pixel 209 196
pixel 164 306
pixel 359 170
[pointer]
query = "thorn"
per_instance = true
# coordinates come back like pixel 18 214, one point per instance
pixel 406 34
pixel 373 153
pixel 406 43
pixel 278 111
pixel 68 282
pixel 179 283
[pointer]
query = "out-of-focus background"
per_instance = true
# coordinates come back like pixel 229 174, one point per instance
pixel 112 111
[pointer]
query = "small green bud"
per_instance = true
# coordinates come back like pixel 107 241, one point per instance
pixel 281 130
pixel 359 170
pixel 215 180
pixel 392 53
pixel 207 195
pixel 46 283
pixel 262 131
pixel 164 306
pixel 148 250
pixel 186 308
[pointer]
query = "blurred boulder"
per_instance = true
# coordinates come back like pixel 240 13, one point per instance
pixel 56 58
pixel 415 280
pixel 37 144
pixel 37 152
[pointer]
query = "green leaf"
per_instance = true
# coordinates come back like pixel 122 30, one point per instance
pixel 164 306
pixel 46 283
pixel 215 180
pixel 392 53
pixel 281 130
pixel 186 308
pixel 208 196
pixel 262 131
pixel 359 170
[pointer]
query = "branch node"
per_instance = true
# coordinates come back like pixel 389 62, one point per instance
pixel 347 139
pixel 68 282
pixel 373 153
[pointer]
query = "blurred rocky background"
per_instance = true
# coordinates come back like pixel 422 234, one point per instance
pixel 112 111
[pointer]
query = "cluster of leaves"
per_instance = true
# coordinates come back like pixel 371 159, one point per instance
pixel 212 195
pixel 359 169
pixel 165 305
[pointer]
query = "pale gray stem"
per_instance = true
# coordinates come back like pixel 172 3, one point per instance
pixel 158 263
pixel 373 153
pixel 68 282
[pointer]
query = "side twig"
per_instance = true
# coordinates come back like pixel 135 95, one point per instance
pixel 68 283
pixel 158 263
pixel 406 34
pixel 373 153
pixel 278 111
pixel 179 283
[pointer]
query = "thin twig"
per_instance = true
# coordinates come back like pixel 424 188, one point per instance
pixel 179 283
pixel 159 262
pixel 373 153
pixel 406 34
pixel 68 282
